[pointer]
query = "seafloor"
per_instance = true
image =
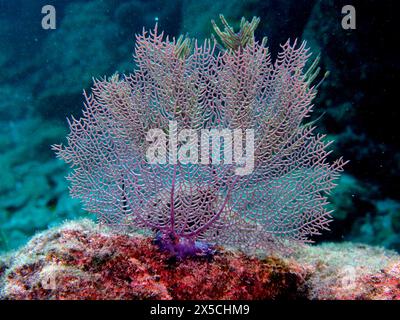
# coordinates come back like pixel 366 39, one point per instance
pixel 80 260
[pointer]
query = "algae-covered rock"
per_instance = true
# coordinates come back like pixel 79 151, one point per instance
pixel 81 260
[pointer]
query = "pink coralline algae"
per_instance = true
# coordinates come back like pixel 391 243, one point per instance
pixel 192 204
pixel 81 260
pixel 81 263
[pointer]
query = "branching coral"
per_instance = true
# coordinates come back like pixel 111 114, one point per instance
pixel 198 87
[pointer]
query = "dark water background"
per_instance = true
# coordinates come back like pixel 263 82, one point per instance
pixel 43 72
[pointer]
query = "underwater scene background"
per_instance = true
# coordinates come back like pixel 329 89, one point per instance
pixel 43 73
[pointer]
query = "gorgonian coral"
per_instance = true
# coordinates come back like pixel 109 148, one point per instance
pixel 275 189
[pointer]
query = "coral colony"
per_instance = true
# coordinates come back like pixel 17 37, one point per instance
pixel 244 169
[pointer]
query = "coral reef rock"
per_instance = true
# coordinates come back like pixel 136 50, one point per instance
pixel 81 260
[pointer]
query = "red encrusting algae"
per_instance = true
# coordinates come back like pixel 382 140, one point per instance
pixel 80 260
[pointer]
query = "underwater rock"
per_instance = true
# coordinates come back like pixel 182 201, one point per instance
pixel 10 108
pixel 81 260
pixel 33 191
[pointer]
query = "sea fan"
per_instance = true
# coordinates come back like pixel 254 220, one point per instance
pixel 275 190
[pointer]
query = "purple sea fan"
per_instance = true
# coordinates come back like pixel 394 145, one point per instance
pixel 232 91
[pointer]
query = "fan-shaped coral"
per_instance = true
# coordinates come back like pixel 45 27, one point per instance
pixel 201 87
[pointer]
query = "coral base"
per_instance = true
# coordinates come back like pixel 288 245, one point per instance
pixel 81 261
